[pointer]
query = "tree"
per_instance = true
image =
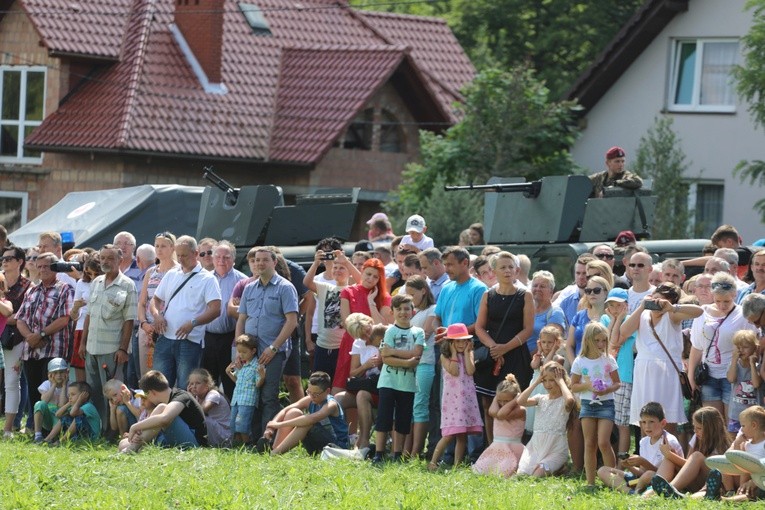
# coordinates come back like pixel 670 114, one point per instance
pixel 510 127
pixel 750 84
pixel 660 158
pixel 558 38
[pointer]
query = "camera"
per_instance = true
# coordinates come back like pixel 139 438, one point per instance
pixel 65 267
pixel 328 256
pixel 649 304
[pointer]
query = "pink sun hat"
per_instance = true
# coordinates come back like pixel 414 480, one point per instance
pixel 458 331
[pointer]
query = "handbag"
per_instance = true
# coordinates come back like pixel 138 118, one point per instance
pixel 685 383
pixel 701 372
pixel 480 351
pixel 7 338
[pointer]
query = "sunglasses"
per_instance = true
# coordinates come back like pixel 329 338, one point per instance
pixel 32 258
pixel 596 291
pixel 639 265
pixel 8 258
pixel 715 286
pixel 207 253
pixel 165 235
pixel 605 256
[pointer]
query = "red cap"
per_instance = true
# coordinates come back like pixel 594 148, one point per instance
pixel 625 238
pixel 615 152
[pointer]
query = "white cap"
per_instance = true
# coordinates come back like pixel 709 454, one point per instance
pixel 416 223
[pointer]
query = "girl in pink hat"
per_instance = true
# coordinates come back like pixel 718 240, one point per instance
pixel 460 415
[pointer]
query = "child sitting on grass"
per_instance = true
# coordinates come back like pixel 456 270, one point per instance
pixel 78 417
pixel 249 376
pixel 177 419
pixel 52 396
pixel 636 470
pixel 214 404
pixel 124 406
pixel 314 421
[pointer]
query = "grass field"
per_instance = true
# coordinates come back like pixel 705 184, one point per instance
pixel 95 476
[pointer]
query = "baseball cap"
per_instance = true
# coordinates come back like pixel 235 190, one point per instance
pixel 376 217
pixel 416 223
pixel 617 294
pixel 57 364
pixel 615 152
pixel 625 238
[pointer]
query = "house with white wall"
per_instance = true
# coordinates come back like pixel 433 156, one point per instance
pixel 674 58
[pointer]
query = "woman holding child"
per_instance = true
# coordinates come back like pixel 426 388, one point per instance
pixel 505 322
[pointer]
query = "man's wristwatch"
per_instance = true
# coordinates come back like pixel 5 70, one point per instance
pixel 43 334
pixel 194 322
pixel 273 349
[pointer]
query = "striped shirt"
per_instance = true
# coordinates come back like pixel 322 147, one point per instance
pixel 42 306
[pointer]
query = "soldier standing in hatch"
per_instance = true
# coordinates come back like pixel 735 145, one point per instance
pixel 615 175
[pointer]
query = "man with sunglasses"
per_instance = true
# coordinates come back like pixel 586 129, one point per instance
pixel 639 268
pixel 206 251
pixel 605 253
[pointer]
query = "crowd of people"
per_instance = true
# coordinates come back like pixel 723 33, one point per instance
pixel 444 355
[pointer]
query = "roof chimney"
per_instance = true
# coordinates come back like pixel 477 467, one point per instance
pixel 201 24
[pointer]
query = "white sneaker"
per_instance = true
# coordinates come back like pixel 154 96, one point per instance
pixel 352 438
pixel 7 434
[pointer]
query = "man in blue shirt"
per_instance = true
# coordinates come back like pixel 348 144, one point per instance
pixel 268 311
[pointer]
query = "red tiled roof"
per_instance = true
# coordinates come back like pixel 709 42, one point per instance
pixel 80 27
pixel 320 92
pixel 150 101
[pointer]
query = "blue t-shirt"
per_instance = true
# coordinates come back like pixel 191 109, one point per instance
pixel 337 424
pixel 580 320
pixel 460 302
pixel 553 315
pixel 569 306
pixel 625 357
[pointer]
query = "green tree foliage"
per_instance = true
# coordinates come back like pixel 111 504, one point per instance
pixel 660 158
pixel 558 38
pixel 750 84
pixel 510 127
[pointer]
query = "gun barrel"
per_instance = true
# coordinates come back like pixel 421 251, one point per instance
pixel 219 182
pixel 531 188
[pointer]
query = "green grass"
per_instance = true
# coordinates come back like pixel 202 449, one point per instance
pixel 95 476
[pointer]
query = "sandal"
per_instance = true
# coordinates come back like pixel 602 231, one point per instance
pixel 714 484
pixel 664 488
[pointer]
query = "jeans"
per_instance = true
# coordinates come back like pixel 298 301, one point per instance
pixel 178 433
pixel 269 392
pixel 176 359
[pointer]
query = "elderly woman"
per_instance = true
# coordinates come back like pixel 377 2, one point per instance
pixel 712 343
pixel 542 289
pixel 658 320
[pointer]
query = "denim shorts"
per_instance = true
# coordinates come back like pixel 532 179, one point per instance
pixel 241 418
pixel 716 389
pixel 599 409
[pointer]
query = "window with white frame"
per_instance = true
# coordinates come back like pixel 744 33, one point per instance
pixel 701 75
pixel 22 108
pixel 705 200
pixel 13 209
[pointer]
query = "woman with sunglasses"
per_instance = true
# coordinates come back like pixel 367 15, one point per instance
pixel 14 288
pixel 592 307
pixel 30 268
pixel 653 377
pixel 164 247
pixel 712 344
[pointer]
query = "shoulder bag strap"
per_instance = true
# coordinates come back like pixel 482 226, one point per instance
pixel 507 312
pixel 719 325
pixel 669 356
pixel 193 273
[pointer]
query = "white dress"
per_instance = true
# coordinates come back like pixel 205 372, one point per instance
pixel 654 379
pixel 549 444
